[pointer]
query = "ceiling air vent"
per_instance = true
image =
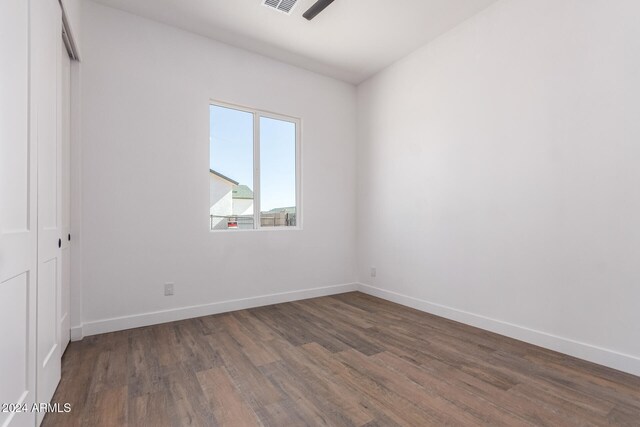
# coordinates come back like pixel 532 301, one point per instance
pixel 285 6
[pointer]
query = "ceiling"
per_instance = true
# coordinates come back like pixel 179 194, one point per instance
pixel 351 40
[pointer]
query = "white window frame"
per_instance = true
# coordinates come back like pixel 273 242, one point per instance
pixel 257 114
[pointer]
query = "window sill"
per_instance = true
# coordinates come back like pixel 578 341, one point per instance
pixel 262 229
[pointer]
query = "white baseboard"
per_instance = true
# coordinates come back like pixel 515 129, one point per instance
pixel 613 359
pixel 76 333
pixel 156 317
pixel 602 356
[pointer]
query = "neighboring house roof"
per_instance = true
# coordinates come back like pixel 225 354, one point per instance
pixel 242 192
pixel 289 210
pixel 226 178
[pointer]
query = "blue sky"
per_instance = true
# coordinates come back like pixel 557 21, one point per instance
pixel 231 154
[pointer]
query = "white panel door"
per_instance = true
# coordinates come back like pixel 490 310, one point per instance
pixel 46 28
pixel 18 222
pixel 64 98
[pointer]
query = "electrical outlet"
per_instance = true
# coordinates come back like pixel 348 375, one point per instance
pixel 373 272
pixel 168 289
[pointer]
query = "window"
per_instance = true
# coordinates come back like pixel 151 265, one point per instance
pixel 253 169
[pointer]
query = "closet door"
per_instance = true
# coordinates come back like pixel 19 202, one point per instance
pixel 46 31
pixel 18 222
pixel 64 98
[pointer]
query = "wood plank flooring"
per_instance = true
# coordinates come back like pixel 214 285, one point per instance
pixel 344 360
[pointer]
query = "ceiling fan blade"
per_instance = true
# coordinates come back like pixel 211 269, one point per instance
pixel 318 7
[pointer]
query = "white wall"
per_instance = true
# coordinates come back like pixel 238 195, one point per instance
pixel 518 133
pixel 145 90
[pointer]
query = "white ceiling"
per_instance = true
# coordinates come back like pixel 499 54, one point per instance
pixel 351 40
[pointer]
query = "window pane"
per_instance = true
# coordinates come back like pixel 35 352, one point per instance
pixel 230 169
pixel 277 173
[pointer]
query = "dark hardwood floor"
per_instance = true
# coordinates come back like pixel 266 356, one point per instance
pixel 347 360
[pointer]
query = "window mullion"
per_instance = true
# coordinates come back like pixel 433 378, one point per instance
pixel 256 171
